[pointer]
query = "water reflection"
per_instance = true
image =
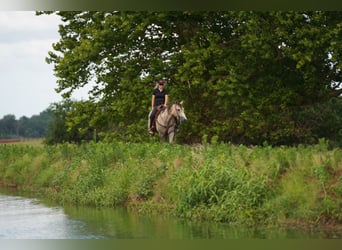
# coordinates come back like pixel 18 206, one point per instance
pixel 119 223
pixel 28 218
pixel 23 218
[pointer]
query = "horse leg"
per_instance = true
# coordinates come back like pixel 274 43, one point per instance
pixel 171 137
pixel 161 137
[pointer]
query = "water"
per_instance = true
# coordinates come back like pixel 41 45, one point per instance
pixel 23 218
pixel 29 218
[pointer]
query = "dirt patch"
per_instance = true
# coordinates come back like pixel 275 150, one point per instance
pixel 4 141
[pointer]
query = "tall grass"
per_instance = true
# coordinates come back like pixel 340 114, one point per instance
pixel 220 182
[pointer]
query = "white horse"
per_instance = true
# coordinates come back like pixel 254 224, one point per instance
pixel 167 120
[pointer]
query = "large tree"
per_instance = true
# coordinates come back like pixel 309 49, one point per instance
pixel 243 75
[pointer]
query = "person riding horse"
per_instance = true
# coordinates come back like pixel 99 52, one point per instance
pixel 159 98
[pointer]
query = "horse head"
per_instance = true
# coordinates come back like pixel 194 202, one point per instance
pixel 177 110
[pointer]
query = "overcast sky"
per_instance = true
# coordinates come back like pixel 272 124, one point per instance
pixel 27 82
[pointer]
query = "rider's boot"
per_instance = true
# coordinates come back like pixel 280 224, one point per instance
pixel 151 129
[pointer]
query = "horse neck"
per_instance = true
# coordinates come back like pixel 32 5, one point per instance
pixel 167 115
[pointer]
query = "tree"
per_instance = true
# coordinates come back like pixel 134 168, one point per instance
pixel 244 76
pixel 273 63
pixel 57 131
pixel 35 126
pixel 71 122
pixel 8 127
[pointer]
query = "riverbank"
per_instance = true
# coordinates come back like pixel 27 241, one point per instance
pixel 268 186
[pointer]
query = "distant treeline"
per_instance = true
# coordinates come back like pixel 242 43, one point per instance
pixel 33 127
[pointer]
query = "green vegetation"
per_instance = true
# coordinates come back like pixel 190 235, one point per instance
pixel 212 181
pixel 248 77
pixel 245 76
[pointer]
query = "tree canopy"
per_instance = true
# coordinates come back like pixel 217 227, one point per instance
pixel 244 76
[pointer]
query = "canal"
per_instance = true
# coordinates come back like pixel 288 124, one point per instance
pixel 30 218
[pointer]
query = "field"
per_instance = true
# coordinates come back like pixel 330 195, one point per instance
pixel 218 182
pixel 25 141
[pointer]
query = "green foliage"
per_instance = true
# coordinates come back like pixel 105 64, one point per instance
pixel 8 126
pixel 220 192
pixel 71 122
pixel 246 77
pixel 322 120
pixel 217 182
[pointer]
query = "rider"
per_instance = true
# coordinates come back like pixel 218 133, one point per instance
pixel 159 97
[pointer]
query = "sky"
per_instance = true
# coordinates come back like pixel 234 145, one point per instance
pixel 27 82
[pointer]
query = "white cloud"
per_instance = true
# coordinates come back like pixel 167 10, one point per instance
pixel 27 82
pixel 25 39
pixel 27 20
pixel 22 59
pixel 24 55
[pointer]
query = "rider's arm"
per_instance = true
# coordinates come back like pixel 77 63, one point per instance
pixel 166 99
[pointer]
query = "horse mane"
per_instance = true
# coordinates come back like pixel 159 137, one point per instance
pixel 169 107
pixel 175 103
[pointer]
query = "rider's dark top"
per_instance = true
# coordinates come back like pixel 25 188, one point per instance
pixel 159 96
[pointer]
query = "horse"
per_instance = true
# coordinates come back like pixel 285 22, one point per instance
pixel 166 121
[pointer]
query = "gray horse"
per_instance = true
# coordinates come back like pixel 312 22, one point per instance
pixel 166 121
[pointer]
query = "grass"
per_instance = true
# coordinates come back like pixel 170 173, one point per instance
pixel 217 182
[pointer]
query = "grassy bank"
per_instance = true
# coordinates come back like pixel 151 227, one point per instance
pixel 220 182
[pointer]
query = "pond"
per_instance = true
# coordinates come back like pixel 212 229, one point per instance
pixel 30 218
